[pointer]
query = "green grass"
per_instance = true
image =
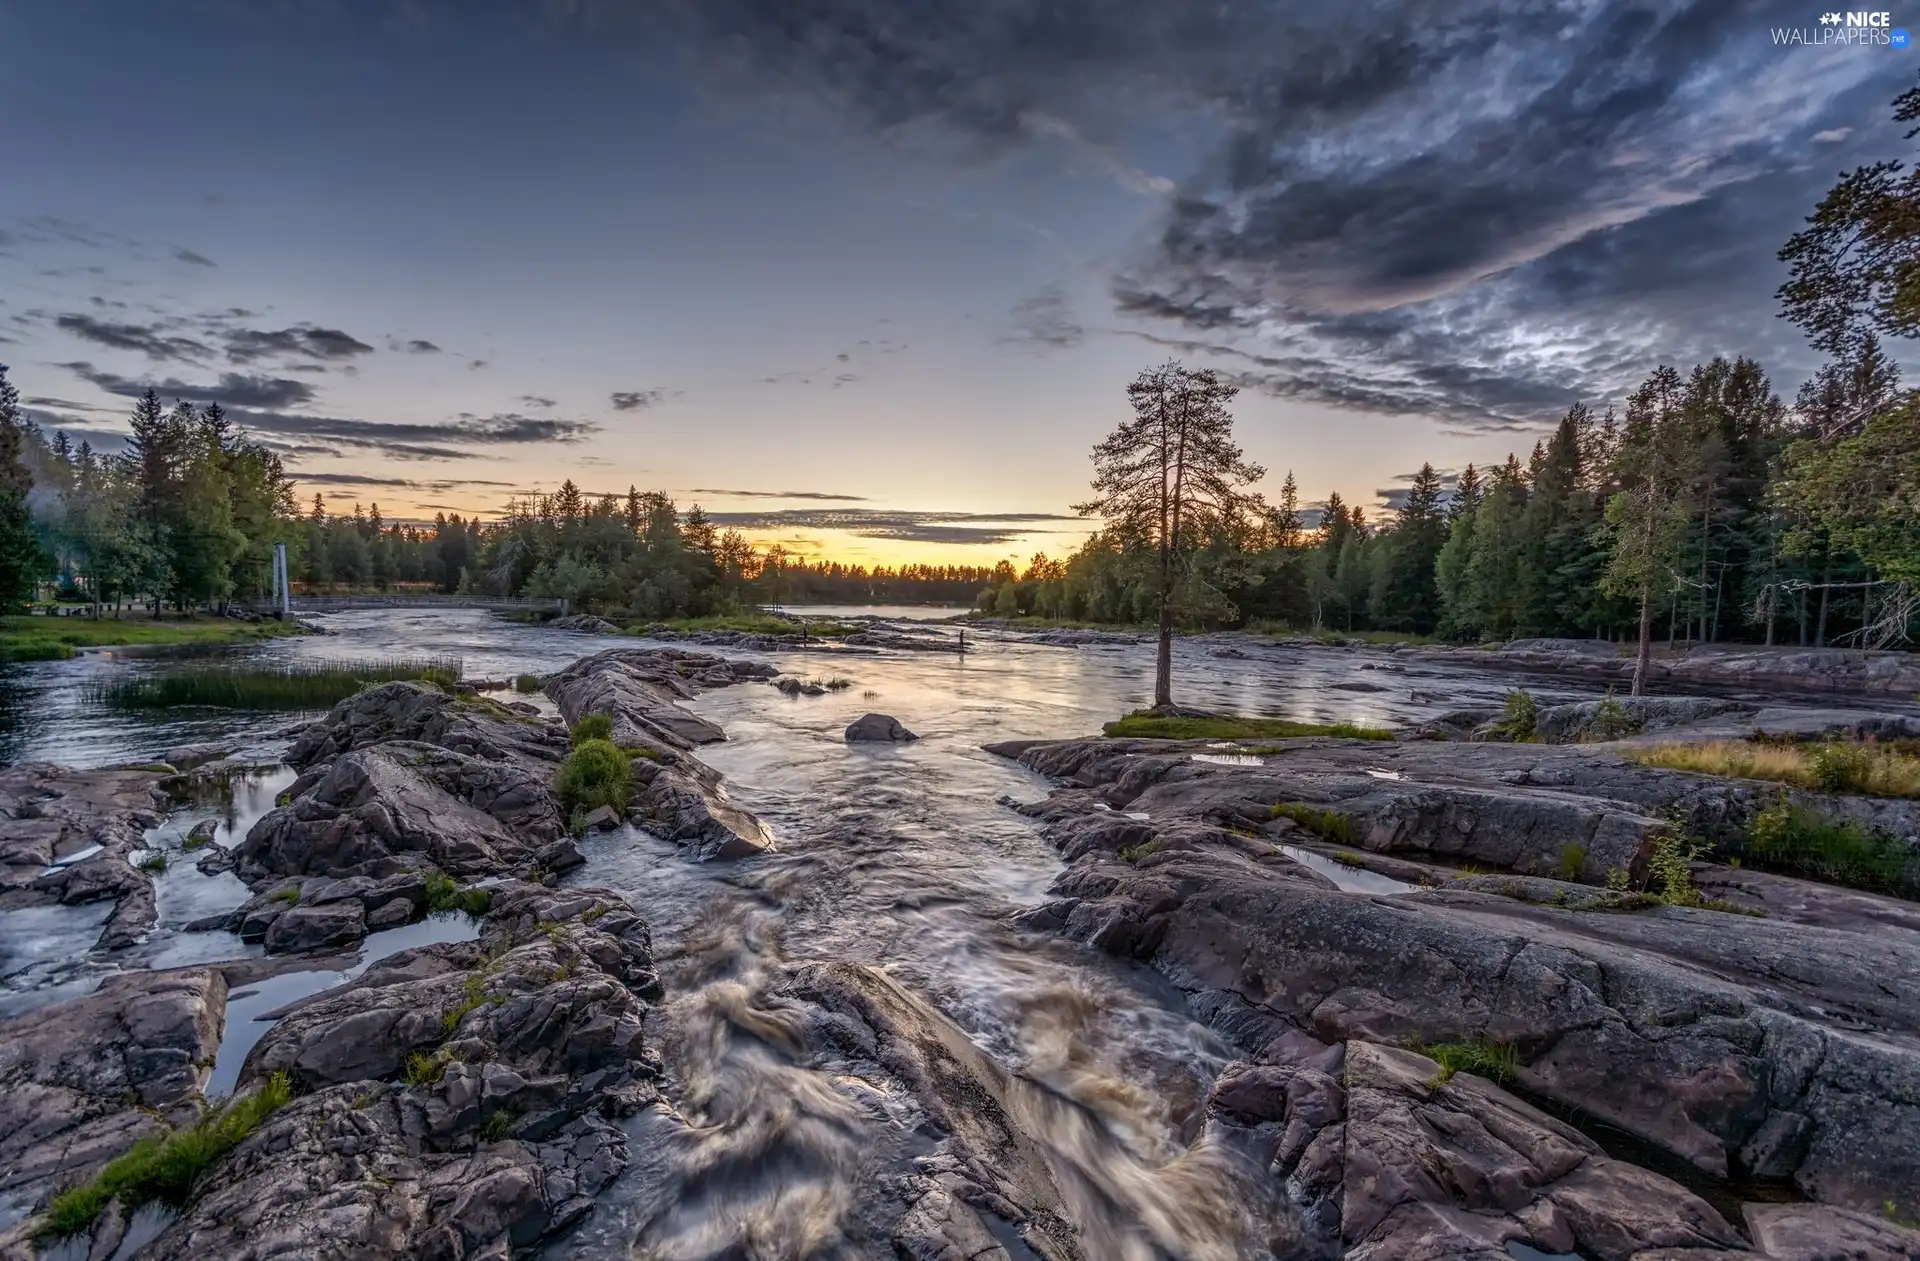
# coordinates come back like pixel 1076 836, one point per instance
pixel 1842 852
pixel 191 843
pixel 526 684
pixel 423 1069
pixel 152 862
pixel 595 774
pixel 291 896
pixel 445 894
pixel 496 1127
pixel 1520 719
pixel 473 994
pixel 1144 726
pixel 1573 860
pixel 164 1167
pixel 27 638
pixel 1330 825
pixel 294 685
pixel 1495 1061
pixel 592 727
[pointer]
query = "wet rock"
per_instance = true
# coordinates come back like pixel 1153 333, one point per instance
pixel 1566 724
pixel 379 809
pixel 83 1080
pixel 1820 1232
pixel 878 729
pixel 68 837
pixel 316 927
pixel 186 757
pixel 479 728
pixel 1720 665
pixel 602 819
pixel 797 687
pixel 1724 1039
pixel 677 797
pixel 584 623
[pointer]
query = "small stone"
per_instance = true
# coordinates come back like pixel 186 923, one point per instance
pixel 878 729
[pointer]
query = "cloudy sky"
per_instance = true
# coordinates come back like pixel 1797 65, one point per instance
pixel 869 277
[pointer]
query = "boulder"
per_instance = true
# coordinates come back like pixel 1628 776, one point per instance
pixel 602 819
pixel 83 1080
pixel 69 836
pixel 878 729
pixel 316 927
pixel 186 757
pixel 585 624
pixel 474 726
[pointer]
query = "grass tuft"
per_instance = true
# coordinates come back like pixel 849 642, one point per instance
pixel 1836 851
pixel 423 1069
pixel 1145 726
pixel 1327 824
pixel 445 894
pixel 1867 769
pixel 1495 1061
pixel 293 685
pixel 153 862
pixel 592 727
pixel 526 684
pixel 164 1167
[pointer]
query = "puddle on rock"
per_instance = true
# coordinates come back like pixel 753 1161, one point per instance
pixel 1351 879
pixel 246 1006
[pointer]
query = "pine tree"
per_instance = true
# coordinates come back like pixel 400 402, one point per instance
pixel 1419 532
pixel 21 559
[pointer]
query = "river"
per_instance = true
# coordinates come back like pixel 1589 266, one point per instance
pixel 895 856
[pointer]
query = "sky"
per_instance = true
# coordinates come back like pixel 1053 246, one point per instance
pixel 868 278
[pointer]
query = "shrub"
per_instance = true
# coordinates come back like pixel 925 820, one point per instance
pixel 1328 824
pixel 153 861
pixel 526 683
pixel 165 1167
pixel 1670 870
pixel 592 727
pixel 838 685
pixel 1841 768
pixel 423 1069
pixel 1612 721
pixel 497 1126
pixel 1573 860
pixel 1837 851
pixel 1521 718
pixel 595 774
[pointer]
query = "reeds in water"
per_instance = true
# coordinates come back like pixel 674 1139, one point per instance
pixel 310 685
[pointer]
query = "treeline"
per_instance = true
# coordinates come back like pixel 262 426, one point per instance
pixel 186 514
pixel 1709 501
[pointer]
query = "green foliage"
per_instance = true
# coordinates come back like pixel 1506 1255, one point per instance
pixel 1520 719
pixel 290 895
pixel 496 1127
pixel 153 861
pixel 164 1167
pixel 1670 870
pixel 1147 726
pixel 1619 880
pixel 295 685
pixel 443 677
pixel 1836 851
pixel 1842 768
pixel 1134 853
pixel 36 638
pixel 423 1069
pixel 473 995
pixel 189 844
pixel 1573 861
pixel 1495 1061
pixel 445 894
pixel 595 774
pixel 1328 824
pixel 527 684
pixel 1612 720
pixel 592 727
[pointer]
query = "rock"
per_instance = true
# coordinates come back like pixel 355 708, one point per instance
pixel 1723 1039
pixel 475 727
pixel 878 728
pixel 584 623
pixel 797 687
pixel 187 756
pixel 316 927
pixel 1720 665
pixel 1357 686
pixel 392 915
pixel 1820 1232
pixel 602 819
pixel 69 837
pixel 381 808
pixel 677 797
pixel 1565 724
pixel 83 1080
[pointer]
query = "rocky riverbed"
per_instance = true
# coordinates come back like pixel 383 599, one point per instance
pixel 821 997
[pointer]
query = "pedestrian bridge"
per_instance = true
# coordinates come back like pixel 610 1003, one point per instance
pixel 342 603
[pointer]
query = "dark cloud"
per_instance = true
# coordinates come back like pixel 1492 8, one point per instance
pixel 475 365
pixel 303 341
pixel 152 340
pixel 198 260
pixel 1046 321
pixel 420 346
pixel 906 526
pixel 1462 208
pixel 437 486
pixel 233 389
pixel 777 494
pixel 640 400
pixel 536 400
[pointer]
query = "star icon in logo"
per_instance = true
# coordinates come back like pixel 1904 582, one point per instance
pixel 1829 19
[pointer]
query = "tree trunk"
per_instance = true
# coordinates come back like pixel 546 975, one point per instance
pixel 1820 624
pixel 1163 657
pixel 1646 643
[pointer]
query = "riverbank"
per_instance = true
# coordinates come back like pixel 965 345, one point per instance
pixel 28 638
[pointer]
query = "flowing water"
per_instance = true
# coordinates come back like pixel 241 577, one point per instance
pixel 897 857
